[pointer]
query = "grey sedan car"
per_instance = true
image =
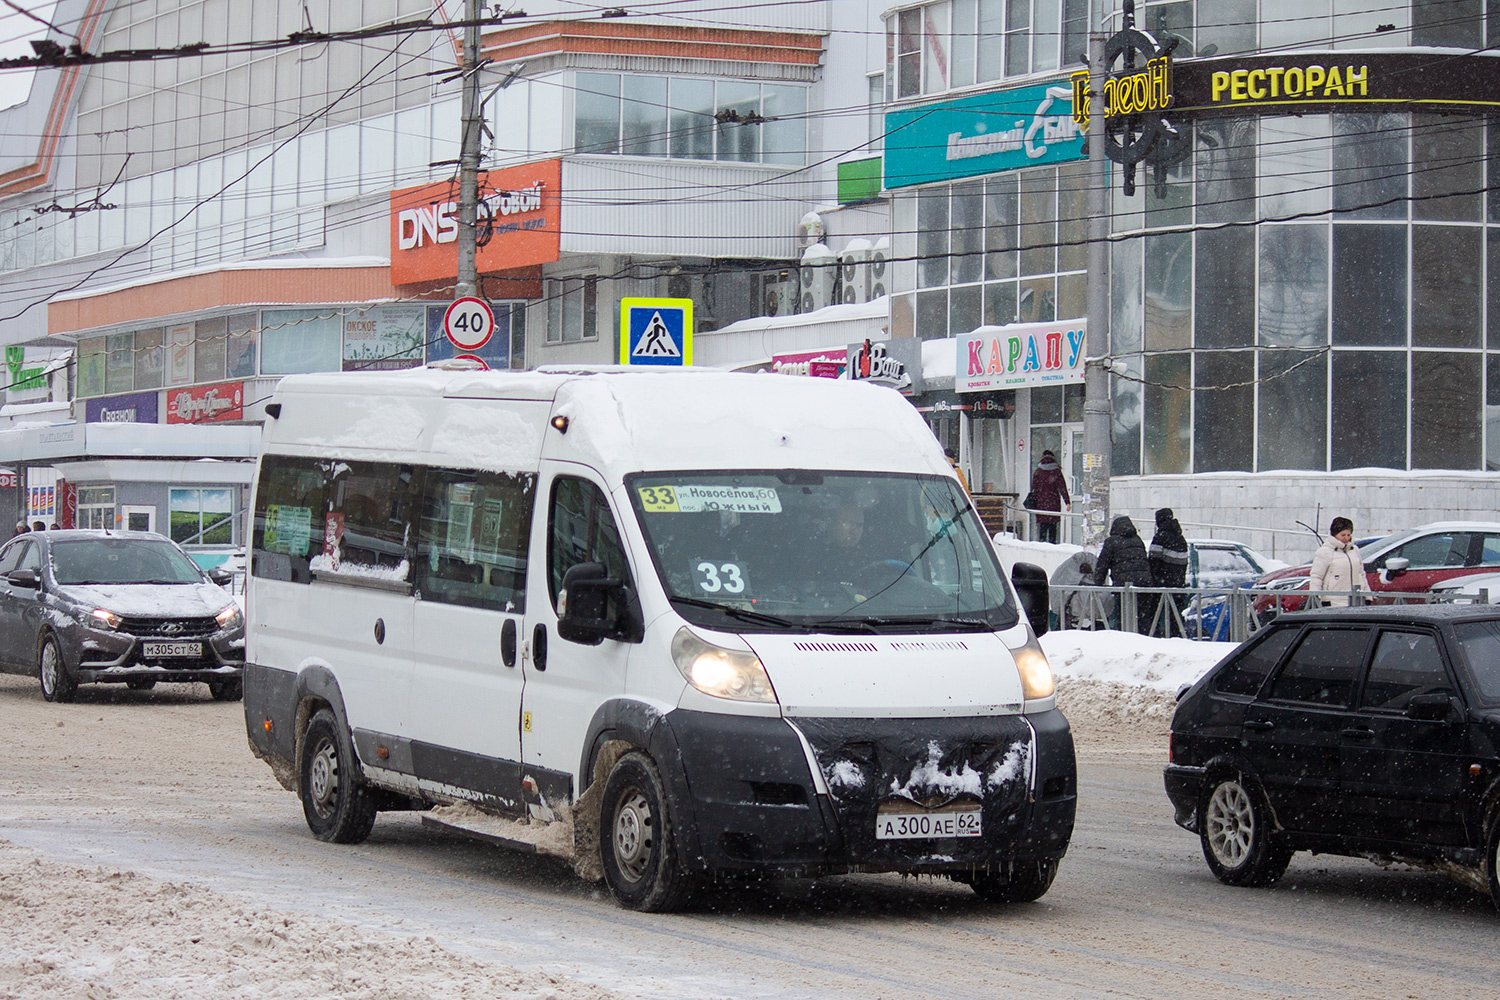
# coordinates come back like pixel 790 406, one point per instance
pixel 80 607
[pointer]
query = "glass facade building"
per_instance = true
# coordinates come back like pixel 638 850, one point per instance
pixel 1307 292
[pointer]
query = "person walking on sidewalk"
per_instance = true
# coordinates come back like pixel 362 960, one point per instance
pixel 1338 566
pixel 1049 491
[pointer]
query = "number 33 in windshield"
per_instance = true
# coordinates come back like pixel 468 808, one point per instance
pixel 722 577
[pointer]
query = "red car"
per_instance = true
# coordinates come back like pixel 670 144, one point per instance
pixel 1409 561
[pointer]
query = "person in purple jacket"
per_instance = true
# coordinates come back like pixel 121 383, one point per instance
pixel 1049 491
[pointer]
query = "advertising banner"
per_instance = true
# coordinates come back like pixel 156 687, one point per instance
pixel 136 408
pixel 384 337
pixel 984 134
pixel 1020 356
pixel 520 223
pixel 206 404
pixel 896 364
pixel 818 364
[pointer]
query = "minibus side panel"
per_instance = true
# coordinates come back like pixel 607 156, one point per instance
pixel 566 682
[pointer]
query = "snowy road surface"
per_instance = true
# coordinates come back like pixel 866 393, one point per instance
pixel 153 857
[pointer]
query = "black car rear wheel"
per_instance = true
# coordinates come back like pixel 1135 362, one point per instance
pixel 57 684
pixel 1234 825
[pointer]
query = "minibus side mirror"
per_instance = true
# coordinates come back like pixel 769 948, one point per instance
pixel 583 613
pixel 1030 582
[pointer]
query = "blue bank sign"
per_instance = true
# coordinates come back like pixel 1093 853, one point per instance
pixel 983 134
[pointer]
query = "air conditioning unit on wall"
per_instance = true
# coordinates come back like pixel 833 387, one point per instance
pixel 779 294
pixel 818 278
pixel 877 270
pixel 853 265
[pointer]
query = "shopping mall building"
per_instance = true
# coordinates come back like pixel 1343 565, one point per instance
pixel 1299 295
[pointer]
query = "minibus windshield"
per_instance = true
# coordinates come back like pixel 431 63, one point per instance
pixel 821 551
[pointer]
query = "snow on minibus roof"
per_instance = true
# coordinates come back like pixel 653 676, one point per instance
pixel 622 421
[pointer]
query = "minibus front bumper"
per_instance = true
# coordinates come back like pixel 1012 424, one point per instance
pixel 745 798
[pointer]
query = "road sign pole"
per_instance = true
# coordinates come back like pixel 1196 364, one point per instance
pixel 468 162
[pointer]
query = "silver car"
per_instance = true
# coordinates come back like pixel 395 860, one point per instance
pixel 80 607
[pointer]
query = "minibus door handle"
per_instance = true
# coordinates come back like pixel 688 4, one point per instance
pixel 508 642
pixel 539 647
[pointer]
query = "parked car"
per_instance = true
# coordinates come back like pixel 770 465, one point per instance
pixel 1410 561
pixel 1368 731
pixel 81 607
pixel 1481 588
pixel 1217 562
pixel 1212 562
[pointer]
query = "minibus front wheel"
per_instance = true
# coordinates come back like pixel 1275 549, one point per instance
pixel 338 808
pixel 636 839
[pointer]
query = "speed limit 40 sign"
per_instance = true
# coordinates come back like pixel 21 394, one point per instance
pixel 469 323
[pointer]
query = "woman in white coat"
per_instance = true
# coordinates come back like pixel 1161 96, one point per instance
pixel 1337 565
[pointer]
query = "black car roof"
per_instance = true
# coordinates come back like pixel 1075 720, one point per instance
pixel 1411 614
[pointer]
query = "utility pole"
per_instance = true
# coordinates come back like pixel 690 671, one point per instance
pixel 468 158
pixel 1098 409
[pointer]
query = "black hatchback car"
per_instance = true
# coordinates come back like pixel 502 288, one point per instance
pixel 124 606
pixel 1371 732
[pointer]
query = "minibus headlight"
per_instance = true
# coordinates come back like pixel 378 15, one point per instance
pixel 1035 671
pixel 722 673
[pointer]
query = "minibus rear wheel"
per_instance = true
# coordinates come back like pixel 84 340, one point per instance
pixel 338 808
pixel 636 842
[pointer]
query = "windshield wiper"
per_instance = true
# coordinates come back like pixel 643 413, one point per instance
pixel 932 621
pixel 743 614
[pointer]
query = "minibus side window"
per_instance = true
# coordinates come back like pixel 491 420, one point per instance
pixel 472 537
pixel 291 505
pixel 582 530
pixel 368 521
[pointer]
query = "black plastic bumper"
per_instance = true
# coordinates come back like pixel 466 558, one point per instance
pixel 1184 786
pixel 745 798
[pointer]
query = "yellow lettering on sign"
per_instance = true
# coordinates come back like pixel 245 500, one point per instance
pixel 1315 77
pixel 1334 85
pixel 1256 86
pixel 1221 83
pixel 1237 85
pixel 1351 78
pixel 1275 74
pixel 1149 89
pixel 1295 82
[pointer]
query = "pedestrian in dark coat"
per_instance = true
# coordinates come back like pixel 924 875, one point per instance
pixel 1168 557
pixel 1049 491
pixel 1122 560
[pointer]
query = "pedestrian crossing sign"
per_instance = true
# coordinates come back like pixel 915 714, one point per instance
pixel 656 332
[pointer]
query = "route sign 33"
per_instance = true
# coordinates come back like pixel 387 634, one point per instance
pixel 656 332
pixel 469 323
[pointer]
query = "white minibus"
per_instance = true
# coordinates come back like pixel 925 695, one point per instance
pixel 678 628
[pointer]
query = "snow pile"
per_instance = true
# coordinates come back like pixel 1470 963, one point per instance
pixel 94 932
pixel 1130 659
pixel 1115 687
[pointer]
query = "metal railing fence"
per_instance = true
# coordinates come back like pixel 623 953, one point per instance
pixel 1215 613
